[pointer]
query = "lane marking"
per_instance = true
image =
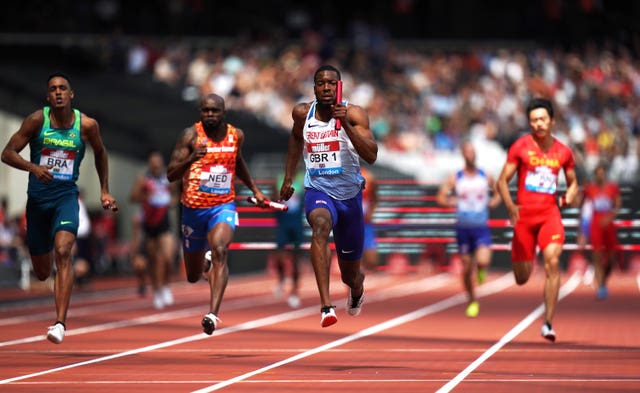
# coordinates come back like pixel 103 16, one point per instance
pixel 494 286
pixel 565 290
pixel 402 289
pixel 333 381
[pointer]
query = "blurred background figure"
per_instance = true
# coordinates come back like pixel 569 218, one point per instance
pixel 137 255
pixel 604 197
pixel 289 236
pixel 370 198
pixel 157 196
pixel 82 258
pixel 469 191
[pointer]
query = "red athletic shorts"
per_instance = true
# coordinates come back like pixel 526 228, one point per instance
pixel 603 238
pixel 531 230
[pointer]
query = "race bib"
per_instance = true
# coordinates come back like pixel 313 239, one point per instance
pixel 60 161
pixel 542 180
pixel 215 180
pixel 324 158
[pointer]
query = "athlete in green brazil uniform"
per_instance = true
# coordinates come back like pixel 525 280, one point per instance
pixel 56 135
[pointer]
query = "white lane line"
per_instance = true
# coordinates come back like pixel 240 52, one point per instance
pixel 461 298
pixel 425 285
pixel 334 381
pixel 566 289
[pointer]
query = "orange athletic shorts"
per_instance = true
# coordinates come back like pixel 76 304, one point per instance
pixel 531 230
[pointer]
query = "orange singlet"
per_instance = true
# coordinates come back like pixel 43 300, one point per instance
pixel 209 181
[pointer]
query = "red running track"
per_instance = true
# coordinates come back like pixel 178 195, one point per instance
pixel 412 336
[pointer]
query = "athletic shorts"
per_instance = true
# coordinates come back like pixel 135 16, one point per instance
pixel 154 231
pixel 347 219
pixel 603 238
pixel 370 241
pixel 289 230
pixel 469 239
pixel 44 219
pixel 532 231
pixel 196 224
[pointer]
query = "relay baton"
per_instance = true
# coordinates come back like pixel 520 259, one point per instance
pixel 338 100
pixel 274 205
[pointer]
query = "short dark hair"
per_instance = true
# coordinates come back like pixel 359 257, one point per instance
pixel 326 67
pixel 539 102
pixel 58 74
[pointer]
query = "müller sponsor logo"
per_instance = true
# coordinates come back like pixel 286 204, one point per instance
pixel 320 147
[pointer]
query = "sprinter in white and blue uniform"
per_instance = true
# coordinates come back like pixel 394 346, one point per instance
pixel 468 190
pixel 333 184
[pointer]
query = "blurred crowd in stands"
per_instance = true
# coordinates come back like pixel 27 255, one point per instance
pixel 426 100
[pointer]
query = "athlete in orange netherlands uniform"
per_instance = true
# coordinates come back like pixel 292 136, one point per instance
pixel 606 201
pixel 537 158
pixel 207 157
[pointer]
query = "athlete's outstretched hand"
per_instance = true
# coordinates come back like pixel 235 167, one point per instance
pixel 108 202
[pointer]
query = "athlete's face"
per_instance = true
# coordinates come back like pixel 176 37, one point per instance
pixel 600 174
pixel 211 112
pixel 156 164
pixel 540 122
pixel 59 92
pixel 324 87
pixel 469 154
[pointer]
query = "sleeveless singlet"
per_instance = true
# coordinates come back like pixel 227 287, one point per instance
pixel 332 163
pixel 209 181
pixel 63 149
pixel 473 198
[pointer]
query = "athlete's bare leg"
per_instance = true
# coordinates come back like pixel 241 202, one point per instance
pixel 551 255
pixel 320 220
pixel 63 284
pixel 219 239
pixel 467 276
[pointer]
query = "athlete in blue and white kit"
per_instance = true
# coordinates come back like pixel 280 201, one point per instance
pixel 56 135
pixel 333 184
pixel 468 191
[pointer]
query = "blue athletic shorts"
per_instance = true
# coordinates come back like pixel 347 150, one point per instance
pixel 347 219
pixel 196 223
pixel 44 219
pixel 370 241
pixel 469 239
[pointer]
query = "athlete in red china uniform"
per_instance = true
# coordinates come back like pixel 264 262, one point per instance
pixel 606 201
pixel 537 158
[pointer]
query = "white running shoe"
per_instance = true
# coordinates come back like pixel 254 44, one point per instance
pixel 548 332
pixel 354 305
pixel 167 296
pixel 158 302
pixel 55 333
pixel 210 323
pixel 328 316
pixel 294 301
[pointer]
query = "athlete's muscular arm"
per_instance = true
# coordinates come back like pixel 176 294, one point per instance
pixel 443 198
pixel 570 196
pixel 11 154
pixel 355 122
pixel 242 171
pixel 502 186
pixel 184 154
pixel 495 198
pixel 296 144
pixel 91 133
pixel 138 191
